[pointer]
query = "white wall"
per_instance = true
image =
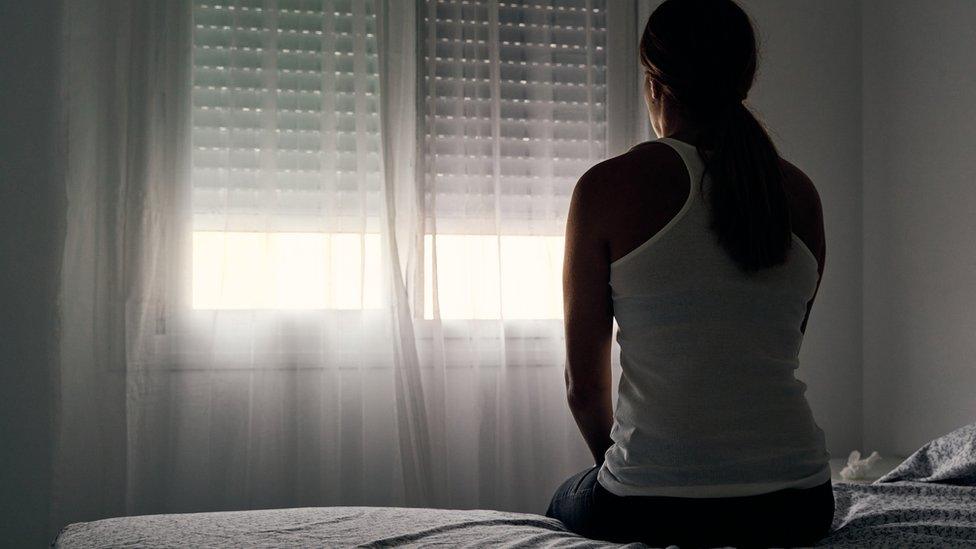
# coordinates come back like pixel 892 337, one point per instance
pixel 808 93
pixel 919 221
pixel 31 234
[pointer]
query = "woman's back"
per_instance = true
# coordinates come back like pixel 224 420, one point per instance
pixel 712 441
pixel 708 405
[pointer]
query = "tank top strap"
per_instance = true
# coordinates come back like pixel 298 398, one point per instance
pixel 689 155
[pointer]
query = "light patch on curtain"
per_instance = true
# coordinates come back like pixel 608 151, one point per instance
pixel 490 277
pixel 478 276
pixel 261 270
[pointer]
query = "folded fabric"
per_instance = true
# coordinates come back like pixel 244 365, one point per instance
pixel 949 459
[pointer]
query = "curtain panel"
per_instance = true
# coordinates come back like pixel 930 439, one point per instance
pixel 313 249
pixel 126 131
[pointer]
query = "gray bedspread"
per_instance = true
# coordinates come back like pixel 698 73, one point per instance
pixel 902 514
pixel 327 527
pixel 927 501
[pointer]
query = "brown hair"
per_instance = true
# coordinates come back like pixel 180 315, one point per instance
pixel 702 55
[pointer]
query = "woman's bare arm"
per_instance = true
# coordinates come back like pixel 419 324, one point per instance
pixel 806 212
pixel 588 314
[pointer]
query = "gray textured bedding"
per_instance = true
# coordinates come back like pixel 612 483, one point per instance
pixel 902 514
pixel 326 527
pixel 927 501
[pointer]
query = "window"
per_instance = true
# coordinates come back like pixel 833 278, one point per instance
pixel 286 165
pixel 286 159
pixel 514 111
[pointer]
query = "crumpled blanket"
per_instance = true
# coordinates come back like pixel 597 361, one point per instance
pixel 929 500
pixel 903 514
pixel 949 459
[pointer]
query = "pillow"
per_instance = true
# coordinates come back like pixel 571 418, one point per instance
pixel 949 459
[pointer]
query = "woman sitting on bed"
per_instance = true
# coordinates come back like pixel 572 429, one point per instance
pixel 707 248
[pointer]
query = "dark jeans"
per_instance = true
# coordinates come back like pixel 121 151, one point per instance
pixel 783 518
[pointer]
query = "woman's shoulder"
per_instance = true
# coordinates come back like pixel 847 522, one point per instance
pixel 626 196
pixel 641 165
pixel 797 180
pixel 802 193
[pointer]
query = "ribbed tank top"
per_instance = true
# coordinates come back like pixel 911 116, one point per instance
pixel 708 405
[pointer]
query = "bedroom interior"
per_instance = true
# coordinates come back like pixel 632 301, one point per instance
pixel 873 99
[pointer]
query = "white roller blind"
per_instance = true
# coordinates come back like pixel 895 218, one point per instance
pixel 285 116
pixel 286 186
pixel 514 111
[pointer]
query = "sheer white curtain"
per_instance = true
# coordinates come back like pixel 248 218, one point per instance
pixel 313 251
pixel 513 111
pixel 126 142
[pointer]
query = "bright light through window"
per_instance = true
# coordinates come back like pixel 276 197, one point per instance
pixel 252 270
pixel 478 276
pixel 487 276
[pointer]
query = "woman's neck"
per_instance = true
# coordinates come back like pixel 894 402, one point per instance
pixel 688 135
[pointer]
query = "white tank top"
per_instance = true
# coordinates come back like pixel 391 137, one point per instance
pixel 708 405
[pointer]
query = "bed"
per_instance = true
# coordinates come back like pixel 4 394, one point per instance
pixel 927 501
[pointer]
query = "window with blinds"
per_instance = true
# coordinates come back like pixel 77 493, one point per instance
pixel 514 96
pixel 515 110
pixel 286 150
pixel 286 153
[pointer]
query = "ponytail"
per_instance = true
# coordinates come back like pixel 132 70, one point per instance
pixel 749 207
pixel 702 55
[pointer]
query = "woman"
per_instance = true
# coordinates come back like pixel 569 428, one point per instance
pixel 708 249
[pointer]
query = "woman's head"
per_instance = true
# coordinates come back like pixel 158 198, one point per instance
pixel 699 59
